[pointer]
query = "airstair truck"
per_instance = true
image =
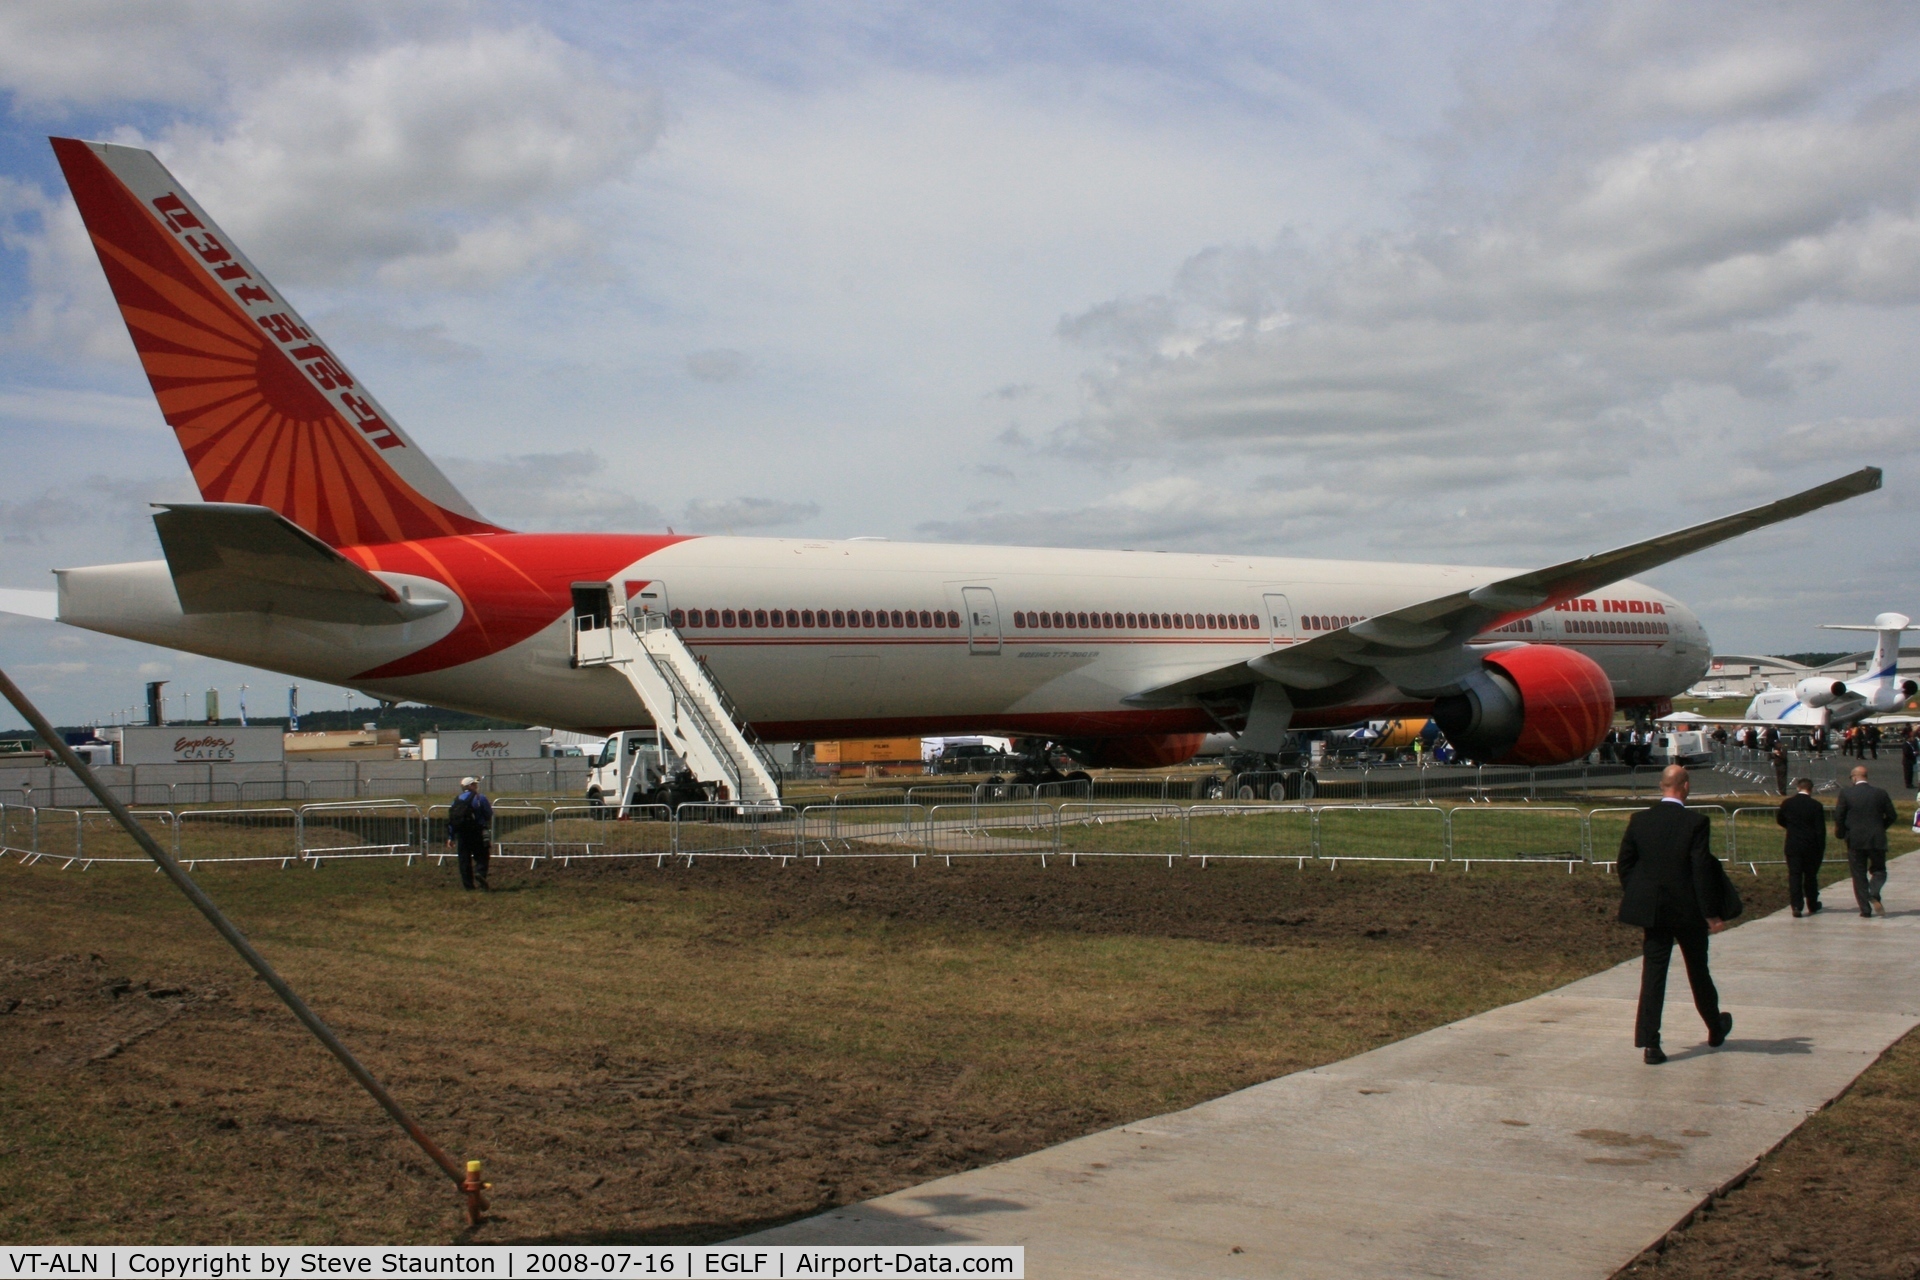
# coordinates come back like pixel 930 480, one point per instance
pixel 699 739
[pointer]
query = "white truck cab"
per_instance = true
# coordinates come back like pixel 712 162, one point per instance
pixel 634 767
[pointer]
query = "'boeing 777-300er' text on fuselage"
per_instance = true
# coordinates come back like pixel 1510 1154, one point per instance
pixel 330 547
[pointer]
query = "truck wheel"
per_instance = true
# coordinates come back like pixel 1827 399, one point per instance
pixel 1303 786
pixel 1278 791
pixel 1244 793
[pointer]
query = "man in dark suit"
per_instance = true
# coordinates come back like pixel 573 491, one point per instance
pixel 1670 883
pixel 1805 820
pixel 1861 817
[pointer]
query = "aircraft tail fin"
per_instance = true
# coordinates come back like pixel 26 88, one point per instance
pixel 265 413
pixel 1887 629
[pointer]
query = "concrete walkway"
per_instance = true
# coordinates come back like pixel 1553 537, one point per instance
pixel 1529 1141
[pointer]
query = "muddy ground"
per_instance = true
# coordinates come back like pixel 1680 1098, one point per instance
pixel 667 1055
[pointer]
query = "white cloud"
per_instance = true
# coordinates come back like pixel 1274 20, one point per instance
pixel 1173 512
pixel 60 54
pixel 720 364
pixel 443 161
pixel 731 515
pixel 44 407
pixel 550 491
pixel 1552 325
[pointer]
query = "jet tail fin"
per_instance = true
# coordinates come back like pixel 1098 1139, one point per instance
pixel 1886 645
pixel 266 414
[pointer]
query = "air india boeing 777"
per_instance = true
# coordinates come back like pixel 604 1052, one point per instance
pixel 330 547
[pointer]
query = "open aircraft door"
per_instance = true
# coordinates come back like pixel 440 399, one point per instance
pixel 983 620
pixel 592 622
pixel 1279 621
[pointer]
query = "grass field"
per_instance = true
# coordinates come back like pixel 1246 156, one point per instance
pixel 678 1053
pixel 675 1053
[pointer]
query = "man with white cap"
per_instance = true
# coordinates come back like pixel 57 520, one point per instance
pixel 469 829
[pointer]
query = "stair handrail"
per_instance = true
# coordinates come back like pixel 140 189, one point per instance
pixel 641 624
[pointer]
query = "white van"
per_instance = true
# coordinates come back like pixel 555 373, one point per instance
pixel 1690 747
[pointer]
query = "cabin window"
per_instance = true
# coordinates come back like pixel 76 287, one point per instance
pixel 1019 620
pixel 866 617
pixel 776 619
pixel 759 617
pixel 839 618
pixel 806 617
pixel 726 617
pixel 897 620
pixel 678 618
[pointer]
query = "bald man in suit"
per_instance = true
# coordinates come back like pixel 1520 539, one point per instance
pixel 1861 816
pixel 1670 887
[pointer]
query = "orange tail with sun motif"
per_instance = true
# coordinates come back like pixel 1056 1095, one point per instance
pixel 266 414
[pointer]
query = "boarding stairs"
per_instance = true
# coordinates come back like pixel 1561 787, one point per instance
pixel 696 719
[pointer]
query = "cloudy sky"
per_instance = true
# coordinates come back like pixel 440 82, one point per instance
pixel 1485 282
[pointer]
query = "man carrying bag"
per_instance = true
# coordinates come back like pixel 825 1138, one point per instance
pixel 1675 890
pixel 470 831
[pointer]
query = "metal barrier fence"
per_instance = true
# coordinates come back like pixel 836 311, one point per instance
pixel 604 831
pixel 1332 833
pixel 1014 829
pixel 519 831
pixel 861 830
pixel 361 829
pixel 1250 831
pixel 174 785
pixel 1405 782
pixel 237 835
pixel 728 831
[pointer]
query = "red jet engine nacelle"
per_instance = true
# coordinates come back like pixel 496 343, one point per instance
pixel 1533 704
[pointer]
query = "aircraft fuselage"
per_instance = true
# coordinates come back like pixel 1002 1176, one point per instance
pixel 816 638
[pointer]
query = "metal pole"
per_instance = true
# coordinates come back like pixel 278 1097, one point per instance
pixel 235 939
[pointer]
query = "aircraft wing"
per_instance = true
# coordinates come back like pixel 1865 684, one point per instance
pixel 29 604
pixel 1423 647
pixel 229 557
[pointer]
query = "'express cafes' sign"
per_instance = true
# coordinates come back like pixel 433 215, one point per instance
pixel 177 744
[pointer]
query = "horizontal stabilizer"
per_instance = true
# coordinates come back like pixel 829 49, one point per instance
pixel 232 558
pixel 29 604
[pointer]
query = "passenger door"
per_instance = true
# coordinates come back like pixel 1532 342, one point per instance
pixel 983 620
pixel 1279 621
pixel 592 623
pixel 646 597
